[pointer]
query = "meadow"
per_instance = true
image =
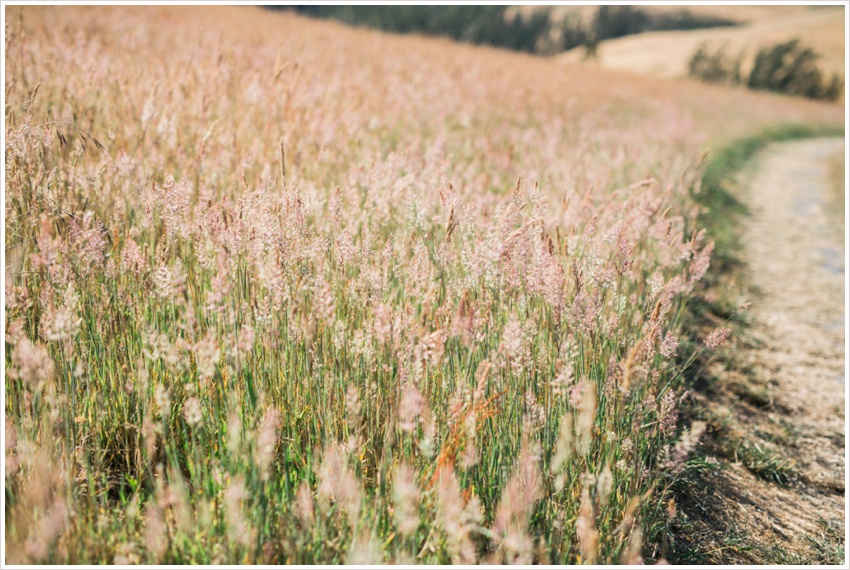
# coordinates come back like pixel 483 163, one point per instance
pixel 280 291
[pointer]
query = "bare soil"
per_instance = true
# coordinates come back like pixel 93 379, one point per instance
pixel 776 411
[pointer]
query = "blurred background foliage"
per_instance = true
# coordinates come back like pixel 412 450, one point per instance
pixel 539 31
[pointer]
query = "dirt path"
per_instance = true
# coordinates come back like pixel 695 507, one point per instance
pixel 778 408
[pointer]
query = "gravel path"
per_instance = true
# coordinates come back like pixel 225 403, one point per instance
pixel 780 395
pixel 795 254
pixel 795 251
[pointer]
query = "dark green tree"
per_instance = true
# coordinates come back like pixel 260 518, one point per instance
pixel 792 68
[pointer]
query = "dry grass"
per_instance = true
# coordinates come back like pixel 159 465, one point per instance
pixel 666 54
pixel 279 296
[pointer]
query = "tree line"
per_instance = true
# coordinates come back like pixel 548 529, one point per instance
pixel 539 31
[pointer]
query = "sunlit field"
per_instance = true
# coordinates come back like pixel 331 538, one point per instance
pixel 280 291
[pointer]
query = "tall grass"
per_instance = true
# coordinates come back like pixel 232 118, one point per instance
pixel 272 303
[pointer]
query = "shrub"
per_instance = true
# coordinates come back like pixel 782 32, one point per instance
pixel 791 68
pixel 716 67
pixel 787 67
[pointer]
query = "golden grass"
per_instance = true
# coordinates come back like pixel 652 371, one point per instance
pixel 666 54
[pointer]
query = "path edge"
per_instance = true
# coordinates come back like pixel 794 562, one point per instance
pixel 722 215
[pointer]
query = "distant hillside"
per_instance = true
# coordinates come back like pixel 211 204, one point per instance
pixel 666 53
pixel 739 14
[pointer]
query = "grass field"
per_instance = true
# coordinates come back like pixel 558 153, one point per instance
pixel 278 291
